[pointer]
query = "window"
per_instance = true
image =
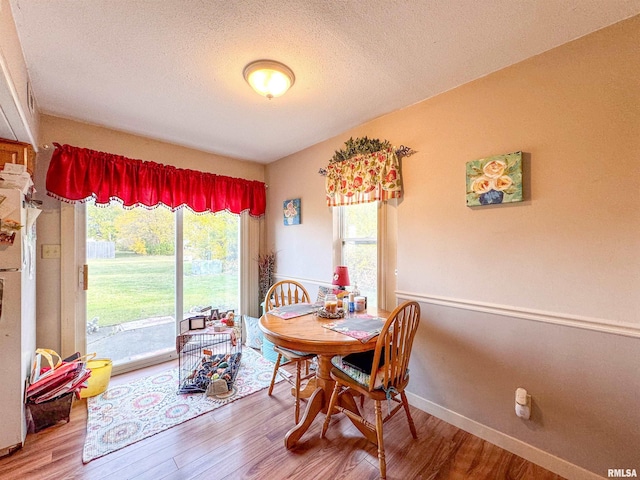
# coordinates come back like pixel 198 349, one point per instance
pixel 357 245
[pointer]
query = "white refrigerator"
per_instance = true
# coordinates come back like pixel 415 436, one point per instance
pixel 18 313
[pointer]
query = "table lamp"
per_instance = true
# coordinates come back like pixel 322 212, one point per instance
pixel 341 276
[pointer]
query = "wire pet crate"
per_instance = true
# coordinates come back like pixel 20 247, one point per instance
pixel 208 361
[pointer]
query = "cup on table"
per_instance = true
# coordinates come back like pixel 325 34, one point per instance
pixel 360 304
pixel 331 303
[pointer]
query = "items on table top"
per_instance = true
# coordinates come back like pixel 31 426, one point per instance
pixel 352 303
pixel 360 304
pixel 331 303
pixel 341 277
pixel 322 312
pixel 293 310
pixel 362 327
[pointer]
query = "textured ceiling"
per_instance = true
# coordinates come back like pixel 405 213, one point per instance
pixel 172 69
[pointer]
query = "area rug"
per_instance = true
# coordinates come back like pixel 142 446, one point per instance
pixel 125 414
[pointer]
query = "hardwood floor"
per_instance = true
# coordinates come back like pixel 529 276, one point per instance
pixel 245 439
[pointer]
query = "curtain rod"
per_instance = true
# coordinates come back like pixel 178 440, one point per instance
pixel 405 151
pixel 401 151
pixel 47 146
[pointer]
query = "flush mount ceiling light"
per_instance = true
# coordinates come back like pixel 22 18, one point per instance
pixel 269 78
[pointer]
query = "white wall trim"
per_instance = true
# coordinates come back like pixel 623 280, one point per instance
pixel 518 447
pixel 68 280
pixel 567 320
pixel 249 251
pixel 144 362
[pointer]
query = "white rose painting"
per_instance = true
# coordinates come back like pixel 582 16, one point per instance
pixel 493 180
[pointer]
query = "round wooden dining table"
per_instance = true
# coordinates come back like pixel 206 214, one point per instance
pixel 307 334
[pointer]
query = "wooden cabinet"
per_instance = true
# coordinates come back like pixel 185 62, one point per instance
pixel 17 152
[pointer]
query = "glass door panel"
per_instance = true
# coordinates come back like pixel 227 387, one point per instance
pixel 131 296
pixel 211 264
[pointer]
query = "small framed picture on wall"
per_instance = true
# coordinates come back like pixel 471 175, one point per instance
pixel 494 180
pixel 291 211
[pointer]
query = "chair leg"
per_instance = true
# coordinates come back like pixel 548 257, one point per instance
pixel 298 371
pixel 381 459
pixel 332 403
pixel 275 372
pixel 405 404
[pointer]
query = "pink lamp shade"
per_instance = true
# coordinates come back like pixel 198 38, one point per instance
pixel 341 276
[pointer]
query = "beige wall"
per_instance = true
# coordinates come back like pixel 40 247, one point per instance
pixel 296 177
pixel 54 129
pixel 541 294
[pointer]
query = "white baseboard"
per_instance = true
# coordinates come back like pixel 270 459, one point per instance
pixel 518 447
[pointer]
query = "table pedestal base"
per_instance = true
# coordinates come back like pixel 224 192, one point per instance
pixel 314 406
pixel 319 402
pixel 308 389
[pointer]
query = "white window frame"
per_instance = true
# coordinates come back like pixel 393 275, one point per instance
pixel 386 242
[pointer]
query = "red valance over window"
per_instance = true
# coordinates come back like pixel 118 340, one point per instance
pixel 79 174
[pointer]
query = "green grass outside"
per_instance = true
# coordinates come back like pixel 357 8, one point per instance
pixel 135 287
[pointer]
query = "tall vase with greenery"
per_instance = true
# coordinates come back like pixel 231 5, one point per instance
pixel 266 271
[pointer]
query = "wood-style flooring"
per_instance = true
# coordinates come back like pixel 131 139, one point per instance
pixel 245 440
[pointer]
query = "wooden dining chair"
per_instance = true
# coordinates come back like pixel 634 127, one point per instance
pixel 386 378
pixel 287 292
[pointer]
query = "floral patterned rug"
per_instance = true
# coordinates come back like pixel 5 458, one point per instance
pixel 125 414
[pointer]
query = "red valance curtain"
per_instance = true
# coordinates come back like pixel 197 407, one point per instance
pixel 79 174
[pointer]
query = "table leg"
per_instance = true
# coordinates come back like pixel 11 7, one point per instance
pixel 314 406
pixel 318 402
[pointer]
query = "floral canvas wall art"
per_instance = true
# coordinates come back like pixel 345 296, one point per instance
pixel 291 211
pixel 494 180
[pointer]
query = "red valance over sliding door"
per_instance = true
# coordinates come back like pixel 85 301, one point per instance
pixel 79 174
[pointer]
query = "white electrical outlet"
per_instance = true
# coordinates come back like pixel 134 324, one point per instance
pixel 50 251
pixel 523 403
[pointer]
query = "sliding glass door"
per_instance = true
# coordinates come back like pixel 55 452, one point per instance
pixel 132 296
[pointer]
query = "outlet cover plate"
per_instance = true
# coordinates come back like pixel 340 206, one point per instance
pixel 50 251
